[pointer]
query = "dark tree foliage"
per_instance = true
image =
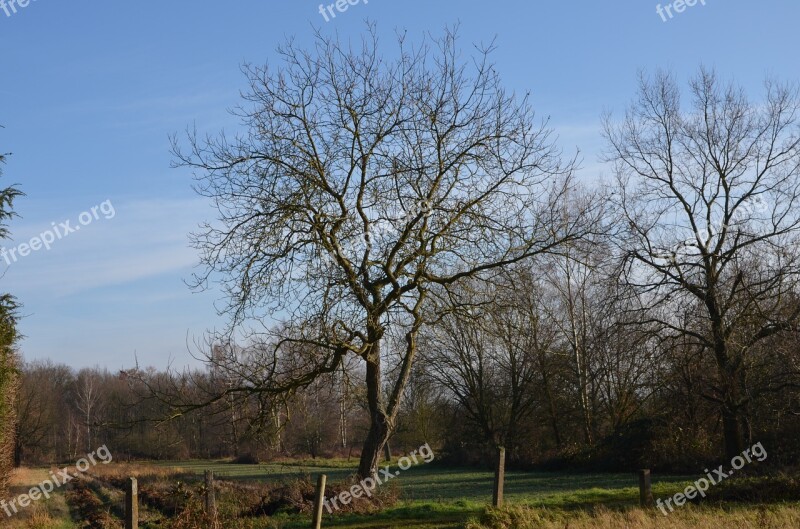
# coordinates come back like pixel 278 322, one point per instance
pixel 9 377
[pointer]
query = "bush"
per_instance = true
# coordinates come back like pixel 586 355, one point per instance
pixel 246 459
pixel 761 489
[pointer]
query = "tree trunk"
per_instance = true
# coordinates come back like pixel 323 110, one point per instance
pixel 732 412
pixel 17 454
pixel 731 384
pixel 551 403
pixel 379 428
pixel 732 432
pixel 343 409
pixel 373 446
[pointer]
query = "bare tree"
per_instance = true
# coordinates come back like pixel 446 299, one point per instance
pixel 40 407
pixel 359 184
pixel 571 278
pixel 487 354
pixel 88 400
pixel 709 195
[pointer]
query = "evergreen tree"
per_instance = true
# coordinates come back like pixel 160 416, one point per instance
pixel 9 375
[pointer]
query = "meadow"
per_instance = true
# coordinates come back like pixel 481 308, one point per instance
pixel 422 497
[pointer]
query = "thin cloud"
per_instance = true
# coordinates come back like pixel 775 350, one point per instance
pixel 144 239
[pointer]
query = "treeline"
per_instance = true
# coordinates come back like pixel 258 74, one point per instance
pixel 63 414
pixel 563 366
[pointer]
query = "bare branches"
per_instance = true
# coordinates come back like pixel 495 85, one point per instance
pixel 341 146
pixel 710 197
pixel 713 187
pixel 360 183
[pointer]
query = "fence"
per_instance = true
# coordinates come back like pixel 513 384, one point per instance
pixel 132 494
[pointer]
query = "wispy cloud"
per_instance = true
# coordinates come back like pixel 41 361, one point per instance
pixel 144 239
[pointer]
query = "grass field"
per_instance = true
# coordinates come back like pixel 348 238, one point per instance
pixel 428 497
pixel 431 484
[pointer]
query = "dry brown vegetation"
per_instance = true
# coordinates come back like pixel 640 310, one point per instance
pixel 136 470
pixel 779 517
pixel 40 515
pixel 172 498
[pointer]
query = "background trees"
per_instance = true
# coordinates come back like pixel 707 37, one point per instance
pixel 709 196
pixel 486 354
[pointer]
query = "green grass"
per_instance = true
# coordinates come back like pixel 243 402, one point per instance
pixel 434 484
pixel 433 497
pixel 265 472
pixel 437 497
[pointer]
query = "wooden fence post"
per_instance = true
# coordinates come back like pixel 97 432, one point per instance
pixel 132 505
pixel 645 489
pixel 211 503
pixel 318 500
pixel 499 478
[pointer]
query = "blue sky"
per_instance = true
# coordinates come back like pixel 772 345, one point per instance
pixel 92 90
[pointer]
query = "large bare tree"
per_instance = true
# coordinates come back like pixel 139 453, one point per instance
pixel 360 186
pixel 709 195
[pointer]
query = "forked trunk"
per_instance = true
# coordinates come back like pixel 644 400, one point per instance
pixel 380 423
pixel 373 447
